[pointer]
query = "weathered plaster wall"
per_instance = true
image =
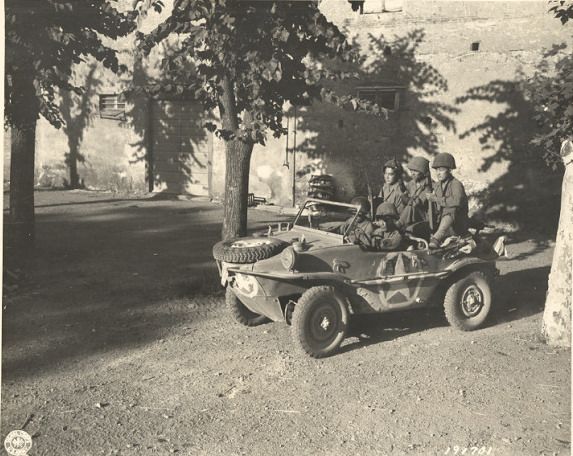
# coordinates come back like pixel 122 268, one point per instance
pixel 108 149
pixel 111 148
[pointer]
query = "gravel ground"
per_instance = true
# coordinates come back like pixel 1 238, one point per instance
pixel 119 343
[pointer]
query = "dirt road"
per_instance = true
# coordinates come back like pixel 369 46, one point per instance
pixel 119 343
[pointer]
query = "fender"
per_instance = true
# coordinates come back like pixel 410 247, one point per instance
pixel 468 261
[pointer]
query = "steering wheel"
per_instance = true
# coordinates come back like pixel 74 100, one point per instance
pixel 376 237
pixel 361 236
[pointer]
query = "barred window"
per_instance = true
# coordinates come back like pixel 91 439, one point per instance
pixel 112 106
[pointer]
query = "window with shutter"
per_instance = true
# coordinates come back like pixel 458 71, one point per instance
pixel 112 106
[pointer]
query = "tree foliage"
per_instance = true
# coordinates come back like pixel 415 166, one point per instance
pixel 44 39
pixel 563 9
pixel 551 90
pixel 268 52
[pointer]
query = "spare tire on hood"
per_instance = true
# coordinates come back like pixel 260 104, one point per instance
pixel 247 250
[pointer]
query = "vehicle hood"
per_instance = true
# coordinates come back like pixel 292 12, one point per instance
pixel 313 239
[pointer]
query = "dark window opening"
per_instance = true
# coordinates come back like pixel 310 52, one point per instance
pixel 475 46
pixel 357 5
pixel 112 106
pixel 385 97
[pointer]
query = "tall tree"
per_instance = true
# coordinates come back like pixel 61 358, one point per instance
pixel 553 95
pixel 250 58
pixel 44 39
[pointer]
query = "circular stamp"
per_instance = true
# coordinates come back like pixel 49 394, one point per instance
pixel 18 443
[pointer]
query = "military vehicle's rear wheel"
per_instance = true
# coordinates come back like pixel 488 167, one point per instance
pixel 240 312
pixel 319 321
pixel 468 301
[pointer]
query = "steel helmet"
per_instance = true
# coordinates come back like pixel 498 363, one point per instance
pixel 386 210
pixel 444 160
pixel 363 202
pixel 419 164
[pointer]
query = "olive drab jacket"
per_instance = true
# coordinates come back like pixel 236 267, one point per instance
pixel 362 229
pixel 452 200
pixel 416 206
pixel 392 193
pixel 386 240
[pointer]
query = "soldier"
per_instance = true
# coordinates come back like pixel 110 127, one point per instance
pixel 450 197
pixel 386 235
pixel 363 227
pixel 393 189
pixel 416 209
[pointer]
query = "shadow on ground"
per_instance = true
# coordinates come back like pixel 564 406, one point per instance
pixel 109 275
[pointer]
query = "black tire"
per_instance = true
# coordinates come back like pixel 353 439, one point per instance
pixel 240 312
pixel 467 303
pixel 247 250
pixel 317 307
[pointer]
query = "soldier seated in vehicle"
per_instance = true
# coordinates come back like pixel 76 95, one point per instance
pixel 393 190
pixel 417 207
pixel 451 199
pixel 386 235
pixel 363 227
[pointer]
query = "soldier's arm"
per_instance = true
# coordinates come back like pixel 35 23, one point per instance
pixel 392 242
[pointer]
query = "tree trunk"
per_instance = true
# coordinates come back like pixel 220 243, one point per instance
pixel 556 327
pixel 73 167
pixel 238 161
pixel 22 182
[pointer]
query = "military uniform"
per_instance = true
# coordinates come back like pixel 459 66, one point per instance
pixel 416 207
pixel 361 226
pixel 392 193
pixel 452 202
pixel 386 240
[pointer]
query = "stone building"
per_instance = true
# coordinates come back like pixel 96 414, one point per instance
pixel 449 72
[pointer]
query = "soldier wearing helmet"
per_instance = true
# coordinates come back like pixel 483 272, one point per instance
pixel 393 190
pixel 451 199
pixel 362 227
pixel 386 235
pixel 416 201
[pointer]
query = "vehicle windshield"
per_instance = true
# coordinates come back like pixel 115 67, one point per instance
pixel 327 216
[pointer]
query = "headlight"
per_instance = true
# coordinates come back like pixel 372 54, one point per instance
pixel 247 285
pixel 288 258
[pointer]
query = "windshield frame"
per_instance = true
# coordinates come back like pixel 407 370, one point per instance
pixel 331 203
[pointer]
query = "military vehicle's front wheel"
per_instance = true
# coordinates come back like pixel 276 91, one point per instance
pixel 240 312
pixel 319 321
pixel 468 301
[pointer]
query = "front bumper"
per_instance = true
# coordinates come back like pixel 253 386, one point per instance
pixel 263 295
